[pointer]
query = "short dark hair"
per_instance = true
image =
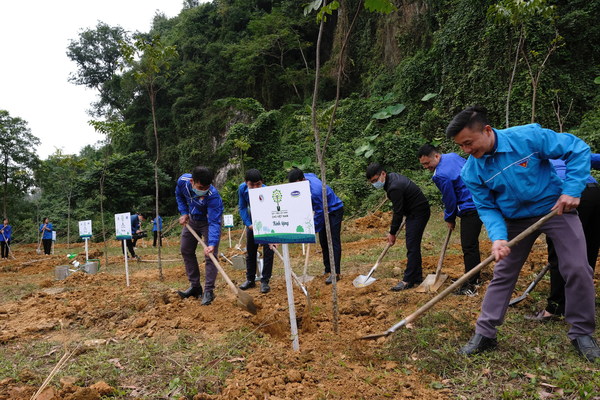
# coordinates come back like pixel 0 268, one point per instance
pixel 203 175
pixel 427 150
pixel 374 169
pixel 143 214
pixel 253 175
pixel 467 118
pixel 295 175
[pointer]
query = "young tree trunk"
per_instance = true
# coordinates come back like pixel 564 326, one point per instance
pixel 512 75
pixel 321 162
pixel 69 195
pixel 4 195
pixel 153 105
pixel 102 177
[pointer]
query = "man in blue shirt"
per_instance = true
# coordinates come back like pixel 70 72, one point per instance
pixel 200 205
pixel 136 233
pixel 513 184
pixel 157 230
pixel 336 214
pixel 457 203
pixel 407 201
pixel 6 231
pixel 46 230
pixel 253 180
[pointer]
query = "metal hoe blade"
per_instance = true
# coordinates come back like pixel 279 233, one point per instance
pixel 537 279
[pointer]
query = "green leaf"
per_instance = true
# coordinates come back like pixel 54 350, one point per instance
pixel 369 153
pixel 287 164
pixel 429 96
pixel 597 80
pixel 371 138
pixel 361 149
pixel 383 114
pixel 382 6
pixel 437 385
pixel 396 109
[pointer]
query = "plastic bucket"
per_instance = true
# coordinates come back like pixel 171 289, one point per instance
pixel 239 262
pixel 61 272
pixel 90 267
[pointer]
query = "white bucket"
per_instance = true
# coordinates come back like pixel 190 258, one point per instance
pixel 91 267
pixel 61 272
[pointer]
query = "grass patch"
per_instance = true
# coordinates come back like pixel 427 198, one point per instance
pixel 532 359
pixel 184 367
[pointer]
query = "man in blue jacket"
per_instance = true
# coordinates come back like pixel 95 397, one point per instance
pixel 457 201
pixel 136 231
pixel 336 214
pixel 513 184
pixel 200 205
pixel 6 233
pixel 253 180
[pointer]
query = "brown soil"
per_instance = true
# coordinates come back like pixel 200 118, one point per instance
pixel 327 365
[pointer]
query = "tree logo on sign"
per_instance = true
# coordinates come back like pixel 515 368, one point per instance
pixel 277 197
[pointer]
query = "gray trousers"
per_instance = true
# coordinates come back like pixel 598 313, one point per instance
pixel 188 251
pixel 567 234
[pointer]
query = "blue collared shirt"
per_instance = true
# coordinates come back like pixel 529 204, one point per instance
pixel 518 180
pixel 316 196
pixel 7 232
pixel 45 233
pixel 200 208
pixel 455 195
pixel 157 224
pixel 135 223
pixel 244 203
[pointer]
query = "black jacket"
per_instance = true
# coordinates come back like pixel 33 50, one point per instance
pixel 407 198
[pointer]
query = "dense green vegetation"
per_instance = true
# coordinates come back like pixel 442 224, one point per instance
pixel 239 90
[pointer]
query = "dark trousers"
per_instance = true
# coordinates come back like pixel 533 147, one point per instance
pixel 157 237
pixel 4 248
pixel 567 234
pixel 130 247
pixel 188 252
pixel 470 228
pixel 252 249
pixel 47 245
pixel 415 226
pixel 589 214
pixel 335 222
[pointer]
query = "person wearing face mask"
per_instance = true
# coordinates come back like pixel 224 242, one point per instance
pixel 407 201
pixel 253 180
pixel 457 203
pixel 201 206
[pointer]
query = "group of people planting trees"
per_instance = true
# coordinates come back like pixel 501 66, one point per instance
pixel 509 181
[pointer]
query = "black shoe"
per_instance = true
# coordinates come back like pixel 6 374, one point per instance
pixel 540 317
pixel 264 287
pixel 587 347
pixel 402 286
pixel 247 285
pixel 329 279
pixel 193 291
pixel 467 289
pixel 478 344
pixel 208 297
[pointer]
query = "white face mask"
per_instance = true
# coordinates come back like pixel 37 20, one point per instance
pixel 199 192
pixel 378 185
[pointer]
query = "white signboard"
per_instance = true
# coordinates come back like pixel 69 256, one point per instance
pixel 282 213
pixel 123 226
pixel 85 229
pixel 54 235
pixel 228 221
